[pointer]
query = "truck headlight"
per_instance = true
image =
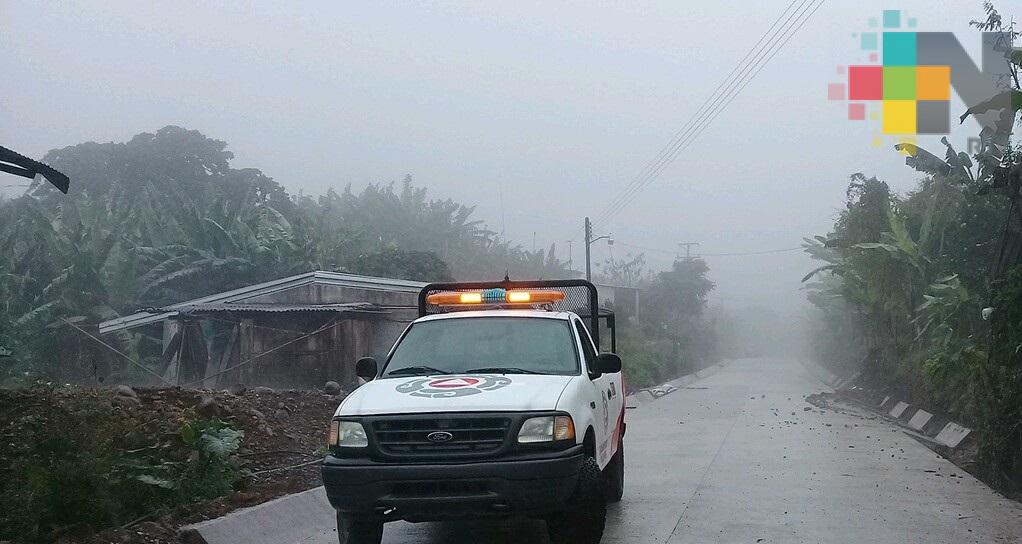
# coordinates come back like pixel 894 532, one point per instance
pixel 347 434
pixel 546 429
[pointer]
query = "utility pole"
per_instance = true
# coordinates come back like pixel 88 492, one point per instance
pixel 569 252
pixel 688 249
pixel 589 241
pixel 589 236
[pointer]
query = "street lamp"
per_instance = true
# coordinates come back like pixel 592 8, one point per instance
pixel 589 241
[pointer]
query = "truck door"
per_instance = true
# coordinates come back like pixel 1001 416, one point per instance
pixel 604 395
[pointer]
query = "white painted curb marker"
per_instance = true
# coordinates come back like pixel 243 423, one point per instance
pixel 952 435
pixel 898 410
pixel 920 419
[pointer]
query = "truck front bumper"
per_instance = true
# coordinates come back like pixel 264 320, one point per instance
pixel 531 485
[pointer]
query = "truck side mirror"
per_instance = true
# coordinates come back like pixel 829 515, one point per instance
pixel 366 368
pixel 608 363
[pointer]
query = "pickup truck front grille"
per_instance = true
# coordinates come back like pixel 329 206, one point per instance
pixel 441 436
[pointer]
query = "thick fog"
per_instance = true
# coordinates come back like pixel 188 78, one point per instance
pixel 539 114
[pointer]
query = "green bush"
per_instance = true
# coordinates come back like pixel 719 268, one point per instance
pixel 61 486
pixel 650 357
pixel 57 485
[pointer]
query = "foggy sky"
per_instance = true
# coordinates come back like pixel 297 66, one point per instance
pixel 551 109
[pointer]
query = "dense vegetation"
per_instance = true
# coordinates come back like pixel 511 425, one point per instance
pixel 924 290
pixel 78 460
pixel 671 336
pixel 164 217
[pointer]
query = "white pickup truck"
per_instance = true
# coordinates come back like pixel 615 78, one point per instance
pixel 495 402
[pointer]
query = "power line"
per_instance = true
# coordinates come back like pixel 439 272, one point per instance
pixel 653 249
pixel 687 126
pixel 708 117
pixel 746 253
pixel 716 104
pixel 732 254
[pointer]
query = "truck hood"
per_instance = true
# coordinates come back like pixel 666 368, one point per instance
pixel 455 393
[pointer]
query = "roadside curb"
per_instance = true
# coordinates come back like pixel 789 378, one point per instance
pixel 829 378
pixel 308 513
pixel 941 430
pixel 937 429
pixel 648 395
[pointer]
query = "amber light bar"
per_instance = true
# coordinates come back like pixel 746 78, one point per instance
pixel 495 296
pixel 445 299
pixel 534 296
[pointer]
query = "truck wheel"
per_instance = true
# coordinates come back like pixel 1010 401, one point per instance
pixel 352 530
pixel 585 514
pixel 614 475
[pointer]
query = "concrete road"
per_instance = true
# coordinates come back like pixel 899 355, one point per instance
pixel 735 458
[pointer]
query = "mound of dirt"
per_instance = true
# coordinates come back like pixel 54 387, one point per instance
pixel 284 439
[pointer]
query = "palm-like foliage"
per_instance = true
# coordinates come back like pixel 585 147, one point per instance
pixel 918 276
pixel 352 227
pixel 164 217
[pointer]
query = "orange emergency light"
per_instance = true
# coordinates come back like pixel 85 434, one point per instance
pixel 495 296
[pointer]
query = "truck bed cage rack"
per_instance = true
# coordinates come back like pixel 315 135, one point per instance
pixel 580 297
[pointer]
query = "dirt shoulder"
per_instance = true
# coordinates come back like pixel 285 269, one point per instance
pixel 284 438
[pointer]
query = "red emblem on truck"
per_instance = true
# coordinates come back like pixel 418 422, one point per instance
pixel 451 383
pixel 445 388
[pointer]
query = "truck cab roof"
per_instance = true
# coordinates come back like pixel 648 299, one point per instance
pixel 542 314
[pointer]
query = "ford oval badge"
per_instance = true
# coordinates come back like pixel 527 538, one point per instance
pixel 439 436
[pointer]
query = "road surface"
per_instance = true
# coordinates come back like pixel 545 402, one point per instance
pixel 735 458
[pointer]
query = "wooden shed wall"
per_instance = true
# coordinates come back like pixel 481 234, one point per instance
pixel 309 362
pixel 303 364
pixel 385 331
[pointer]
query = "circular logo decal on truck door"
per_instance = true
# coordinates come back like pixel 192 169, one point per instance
pixel 445 388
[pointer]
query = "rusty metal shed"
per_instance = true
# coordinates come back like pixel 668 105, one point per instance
pixel 295 332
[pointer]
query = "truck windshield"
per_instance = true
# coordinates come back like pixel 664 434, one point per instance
pixel 491 345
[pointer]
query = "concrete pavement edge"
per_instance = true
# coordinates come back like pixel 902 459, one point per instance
pixel 303 517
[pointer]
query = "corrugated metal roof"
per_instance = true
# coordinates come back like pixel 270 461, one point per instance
pixel 217 307
pixel 320 276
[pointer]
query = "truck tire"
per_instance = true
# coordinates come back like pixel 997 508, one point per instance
pixel 352 530
pixel 585 514
pixel 614 475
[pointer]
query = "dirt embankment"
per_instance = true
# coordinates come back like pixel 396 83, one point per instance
pixel 284 439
